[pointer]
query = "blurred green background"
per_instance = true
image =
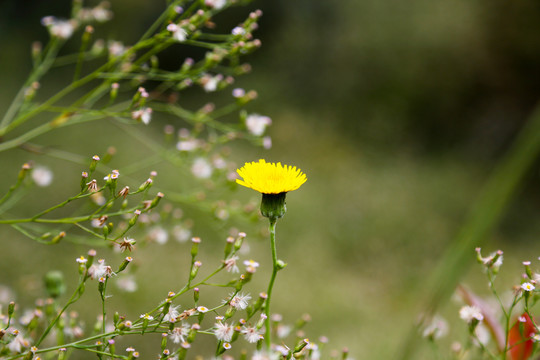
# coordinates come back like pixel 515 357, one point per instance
pixel 398 113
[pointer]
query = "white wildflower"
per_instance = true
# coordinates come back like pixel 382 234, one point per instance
pixel 178 334
pixel 527 286
pixel 201 168
pixel 143 114
pixel 178 33
pixel 127 283
pixel 172 314
pixel 216 4
pixel 158 235
pixel 181 234
pixel 239 301
pixel 187 145
pixel 42 176
pixel 251 334
pixel 436 328
pixel 230 264
pixel 256 124
pixel 223 332
pixel 470 313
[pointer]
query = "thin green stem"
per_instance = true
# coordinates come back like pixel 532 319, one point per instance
pixel 275 269
pixel 76 295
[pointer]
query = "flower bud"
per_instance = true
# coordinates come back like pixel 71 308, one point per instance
pixel 273 205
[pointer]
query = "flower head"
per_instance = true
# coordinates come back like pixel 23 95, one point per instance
pixel 270 178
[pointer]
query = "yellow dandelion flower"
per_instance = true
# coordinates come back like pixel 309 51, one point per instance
pixel 273 181
pixel 270 178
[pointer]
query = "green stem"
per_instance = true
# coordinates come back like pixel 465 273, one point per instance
pixel 275 269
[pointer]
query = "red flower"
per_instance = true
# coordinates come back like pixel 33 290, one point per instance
pixel 520 341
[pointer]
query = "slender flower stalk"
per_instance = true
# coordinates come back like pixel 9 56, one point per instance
pixel 275 269
pixel 273 181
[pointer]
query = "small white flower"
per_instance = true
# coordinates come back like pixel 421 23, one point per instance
pixel 178 33
pixel 238 31
pixel 470 313
pixel 251 334
pixel 216 4
pixel 187 145
pixel 18 343
pixel 251 263
pixel 223 332
pixel 62 29
pixel 239 301
pixel 116 48
pixel 100 270
pixel 230 264
pixel 181 234
pixel 238 92
pixel 82 260
pixel 177 335
pixel 202 309
pixel 143 114
pixel 527 286
pixel 536 337
pixel 210 83
pixel 256 124
pixel 42 176
pixel 267 142
pixel 146 317
pixel 127 283
pixel 201 168
pixel 436 328
pixel 172 314
pixel 283 331
pixel 158 235
pixel 101 14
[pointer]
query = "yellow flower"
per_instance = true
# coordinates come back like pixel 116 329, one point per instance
pixel 270 178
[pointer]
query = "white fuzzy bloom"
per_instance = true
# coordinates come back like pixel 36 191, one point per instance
pixel 263 355
pixel 436 328
pixel 143 114
pixel 223 332
pixel 238 92
pixel 100 270
pixel 127 283
pixel 210 83
pixel 201 168
pixel 178 33
pixel 251 334
pixel 267 142
pixel 283 331
pixel 42 176
pixel 470 313
pixel 216 4
pixel 482 334
pixel 101 14
pixel 238 31
pixel 187 145
pixel 256 124
pixel 62 29
pixel 181 234
pixel 18 343
pixel 159 235
pixel 172 314
pixel 178 334
pixel 239 301
pixel 230 264
pixel 116 48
